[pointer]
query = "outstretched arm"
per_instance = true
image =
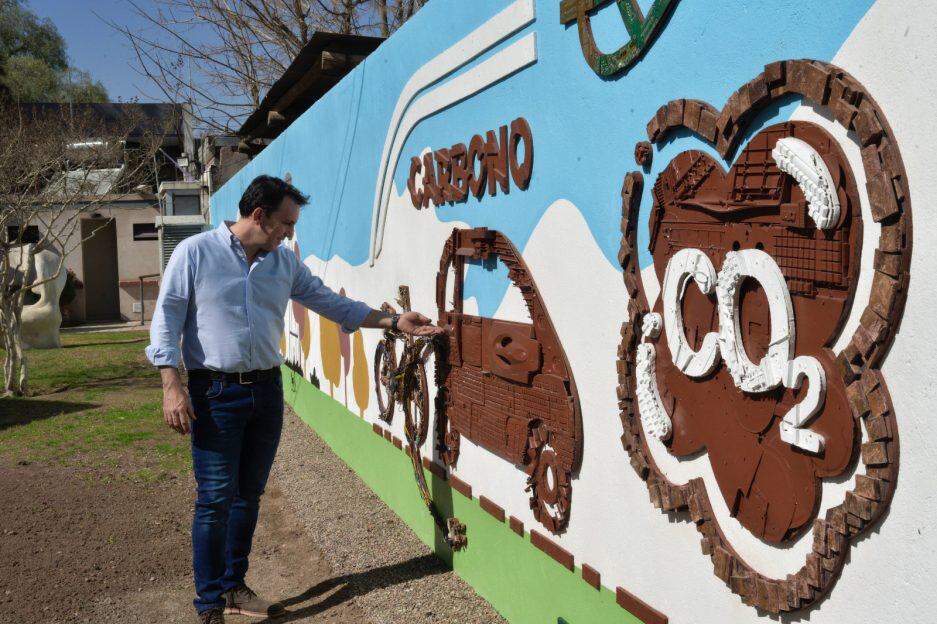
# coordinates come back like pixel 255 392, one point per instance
pixel 309 290
pixel 412 323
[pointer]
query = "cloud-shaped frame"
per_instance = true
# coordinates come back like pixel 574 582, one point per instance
pixel 849 103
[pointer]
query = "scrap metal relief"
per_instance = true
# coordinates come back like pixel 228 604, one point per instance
pixel 507 386
pixel 641 31
pixel 772 250
pixel 770 287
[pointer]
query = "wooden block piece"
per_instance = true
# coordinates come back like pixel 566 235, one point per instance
pixel 591 576
pixel 867 126
pixel 858 506
pixel 460 486
pixel 877 428
pixel 869 487
pixel 435 468
pixel 493 509
pixel 882 198
pixel 638 608
pixel 554 550
pixel 858 400
pixel 874 453
pixel 884 293
pixel 516 525
pixel 674 114
pixel 775 73
pixel 707 124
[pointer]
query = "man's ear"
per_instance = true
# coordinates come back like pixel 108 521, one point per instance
pixel 256 214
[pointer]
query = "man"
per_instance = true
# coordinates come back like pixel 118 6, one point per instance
pixel 224 292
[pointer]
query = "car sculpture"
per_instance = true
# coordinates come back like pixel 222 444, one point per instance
pixel 507 386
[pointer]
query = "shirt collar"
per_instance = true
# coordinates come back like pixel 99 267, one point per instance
pixel 225 233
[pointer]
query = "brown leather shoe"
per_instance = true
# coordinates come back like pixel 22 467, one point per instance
pixel 243 601
pixel 211 616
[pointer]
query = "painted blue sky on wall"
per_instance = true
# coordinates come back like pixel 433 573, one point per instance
pixel 584 126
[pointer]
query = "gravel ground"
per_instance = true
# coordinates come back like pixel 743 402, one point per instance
pixel 399 581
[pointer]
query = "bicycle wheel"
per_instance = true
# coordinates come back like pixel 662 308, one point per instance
pixel 418 411
pixel 384 366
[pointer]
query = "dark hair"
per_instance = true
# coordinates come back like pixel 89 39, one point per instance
pixel 268 192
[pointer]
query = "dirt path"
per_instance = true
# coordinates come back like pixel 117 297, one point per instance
pixel 96 500
pixel 90 547
pixel 84 539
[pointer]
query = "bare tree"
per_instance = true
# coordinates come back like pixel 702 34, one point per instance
pixel 56 165
pixel 223 55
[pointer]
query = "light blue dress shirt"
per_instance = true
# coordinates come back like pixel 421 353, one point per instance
pixel 230 314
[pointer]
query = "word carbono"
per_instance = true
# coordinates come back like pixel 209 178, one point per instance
pixel 451 174
pixel 778 367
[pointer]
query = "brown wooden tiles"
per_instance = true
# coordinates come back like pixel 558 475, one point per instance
pixel 639 608
pixel 376 428
pixel 460 486
pixel 398 443
pixel 492 508
pixel 857 366
pixel 516 525
pixel 435 468
pixel 591 576
pixel 560 554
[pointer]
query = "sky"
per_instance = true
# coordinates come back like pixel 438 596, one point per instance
pixel 95 47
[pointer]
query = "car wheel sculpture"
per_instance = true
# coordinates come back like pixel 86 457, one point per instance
pixel 507 386
pixel 758 269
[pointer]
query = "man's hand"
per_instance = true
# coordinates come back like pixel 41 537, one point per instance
pixel 416 324
pixel 177 408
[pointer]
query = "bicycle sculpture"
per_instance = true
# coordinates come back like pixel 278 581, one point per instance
pixel 405 384
pixel 507 386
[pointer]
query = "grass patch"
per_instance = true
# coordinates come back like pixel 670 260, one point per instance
pixel 97 402
pixel 90 362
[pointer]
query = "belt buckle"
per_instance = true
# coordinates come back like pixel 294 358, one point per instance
pixel 241 380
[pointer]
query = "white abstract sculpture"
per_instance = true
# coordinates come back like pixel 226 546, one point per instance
pixel 40 320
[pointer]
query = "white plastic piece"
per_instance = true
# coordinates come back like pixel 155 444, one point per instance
pixel 798 159
pixel 758 265
pixel 654 418
pixel 799 415
pixel 651 325
pixel 775 368
pixel 685 265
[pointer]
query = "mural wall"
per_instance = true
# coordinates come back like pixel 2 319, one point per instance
pixel 673 242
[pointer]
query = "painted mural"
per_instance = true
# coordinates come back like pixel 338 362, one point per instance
pixel 723 321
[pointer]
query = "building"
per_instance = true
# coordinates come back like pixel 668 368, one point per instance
pixel 115 250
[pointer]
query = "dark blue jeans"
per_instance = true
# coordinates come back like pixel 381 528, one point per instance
pixel 234 440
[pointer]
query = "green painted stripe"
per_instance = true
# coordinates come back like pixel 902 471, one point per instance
pixel 521 582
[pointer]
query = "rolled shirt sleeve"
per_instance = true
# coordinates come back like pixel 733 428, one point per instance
pixel 311 292
pixel 171 306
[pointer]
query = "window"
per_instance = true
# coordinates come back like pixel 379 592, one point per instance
pixel 145 231
pixel 31 235
pixel 185 205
